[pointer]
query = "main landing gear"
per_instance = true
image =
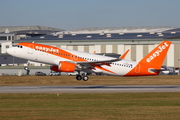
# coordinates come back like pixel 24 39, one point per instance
pixel 80 77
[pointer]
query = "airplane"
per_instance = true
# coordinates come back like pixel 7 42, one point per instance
pixel 65 60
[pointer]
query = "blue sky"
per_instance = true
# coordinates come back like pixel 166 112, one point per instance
pixel 75 14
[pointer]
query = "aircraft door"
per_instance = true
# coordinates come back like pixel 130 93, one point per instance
pixel 30 49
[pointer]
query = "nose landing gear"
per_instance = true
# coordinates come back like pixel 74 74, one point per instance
pixel 27 70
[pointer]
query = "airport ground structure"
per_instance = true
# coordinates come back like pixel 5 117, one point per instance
pixel 140 41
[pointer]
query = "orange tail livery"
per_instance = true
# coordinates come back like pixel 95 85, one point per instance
pixel 151 63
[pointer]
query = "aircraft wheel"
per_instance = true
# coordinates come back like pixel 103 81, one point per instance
pixel 26 68
pixel 85 78
pixel 78 77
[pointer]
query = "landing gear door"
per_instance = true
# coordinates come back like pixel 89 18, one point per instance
pixel 30 49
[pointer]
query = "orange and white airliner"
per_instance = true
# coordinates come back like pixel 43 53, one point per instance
pixel 65 60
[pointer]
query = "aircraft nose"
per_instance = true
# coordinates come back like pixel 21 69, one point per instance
pixel 9 51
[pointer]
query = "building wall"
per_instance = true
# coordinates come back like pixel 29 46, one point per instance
pixel 133 52
pixel 5 45
pixel 170 56
pixel 138 53
pixel 177 55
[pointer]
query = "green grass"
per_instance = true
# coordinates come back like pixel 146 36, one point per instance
pixel 107 106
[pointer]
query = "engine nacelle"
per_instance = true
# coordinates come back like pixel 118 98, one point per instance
pixel 55 68
pixel 64 67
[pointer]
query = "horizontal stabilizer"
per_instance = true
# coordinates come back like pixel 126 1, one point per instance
pixel 157 70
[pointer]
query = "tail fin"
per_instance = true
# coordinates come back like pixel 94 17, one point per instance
pixel 152 62
pixel 157 55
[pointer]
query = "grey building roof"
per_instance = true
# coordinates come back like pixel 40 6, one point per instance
pixel 155 33
pixel 16 29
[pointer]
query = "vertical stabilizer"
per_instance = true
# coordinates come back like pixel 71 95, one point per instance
pixel 157 55
pixel 152 61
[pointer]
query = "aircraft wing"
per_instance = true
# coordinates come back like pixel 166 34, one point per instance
pixel 93 64
pixel 90 64
pixel 98 62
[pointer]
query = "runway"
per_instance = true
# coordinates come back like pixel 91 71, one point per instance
pixel 91 89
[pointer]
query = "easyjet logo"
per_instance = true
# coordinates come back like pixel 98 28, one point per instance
pixel 157 52
pixel 47 49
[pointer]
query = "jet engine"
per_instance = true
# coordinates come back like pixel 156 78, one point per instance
pixel 64 67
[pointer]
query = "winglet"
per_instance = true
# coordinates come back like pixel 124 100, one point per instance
pixel 124 55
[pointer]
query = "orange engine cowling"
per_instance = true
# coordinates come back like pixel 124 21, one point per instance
pixel 64 67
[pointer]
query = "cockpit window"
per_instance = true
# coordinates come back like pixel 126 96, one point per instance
pixel 19 46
